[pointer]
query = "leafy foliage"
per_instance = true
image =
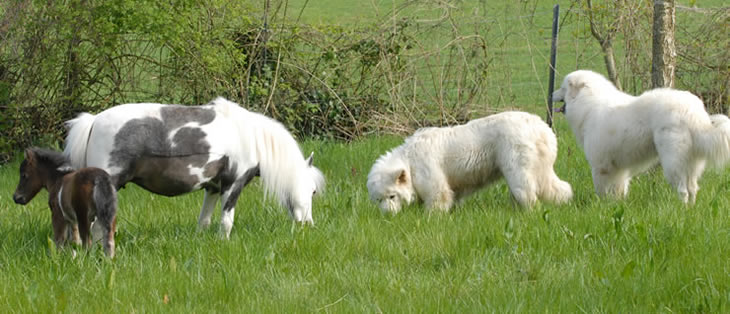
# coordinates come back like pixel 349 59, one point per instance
pixel 420 64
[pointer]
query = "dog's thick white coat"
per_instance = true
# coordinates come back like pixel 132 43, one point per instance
pixel 623 135
pixel 442 165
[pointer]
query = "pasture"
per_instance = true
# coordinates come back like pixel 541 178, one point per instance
pixel 648 253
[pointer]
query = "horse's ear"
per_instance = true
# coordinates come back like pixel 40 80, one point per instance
pixel 402 177
pixel 310 159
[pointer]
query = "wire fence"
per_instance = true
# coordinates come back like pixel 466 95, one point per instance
pixel 465 63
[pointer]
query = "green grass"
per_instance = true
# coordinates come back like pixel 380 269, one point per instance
pixel 648 253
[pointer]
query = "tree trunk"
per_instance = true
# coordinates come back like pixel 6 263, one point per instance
pixel 606 42
pixel 664 52
pixel 610 61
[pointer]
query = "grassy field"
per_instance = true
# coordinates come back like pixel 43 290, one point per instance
pixel 648 253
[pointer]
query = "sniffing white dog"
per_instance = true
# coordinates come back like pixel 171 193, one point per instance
pixel 624 135
pixel 442 165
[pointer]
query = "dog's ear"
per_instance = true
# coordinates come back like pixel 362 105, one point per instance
pixel 575 85
pixel 402 177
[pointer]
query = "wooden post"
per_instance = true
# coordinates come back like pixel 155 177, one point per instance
pixel 664 52
pixel 553 55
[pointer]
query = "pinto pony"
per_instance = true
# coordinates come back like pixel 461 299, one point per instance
pixel 172 150
pixel 76 198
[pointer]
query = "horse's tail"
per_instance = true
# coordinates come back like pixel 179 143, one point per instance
pixel 714 142
pixel 77 140
pixel 105 201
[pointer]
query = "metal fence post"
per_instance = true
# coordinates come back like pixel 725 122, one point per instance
pixel 553 53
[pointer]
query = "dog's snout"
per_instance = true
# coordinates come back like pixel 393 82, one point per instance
pixel 557 96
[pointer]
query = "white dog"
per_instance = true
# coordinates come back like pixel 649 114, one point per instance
pixel 624 135
pixel 443 165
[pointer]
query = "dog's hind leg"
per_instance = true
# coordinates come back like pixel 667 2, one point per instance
pixel 522 186
pixel 673 147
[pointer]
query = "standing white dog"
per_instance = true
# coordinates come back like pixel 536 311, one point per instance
pixel 443 165
pixel 624 135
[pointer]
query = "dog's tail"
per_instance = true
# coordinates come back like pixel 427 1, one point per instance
pixel 555 190
pixel 714 142
pixel 79 130
pixel 551 188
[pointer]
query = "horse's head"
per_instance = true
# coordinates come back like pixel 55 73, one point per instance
pixel 31 178
pixel 309 182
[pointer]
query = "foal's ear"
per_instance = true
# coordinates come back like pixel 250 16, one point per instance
pixel 310 159
pixel 402 177
pixel 29 155
pixel 65 168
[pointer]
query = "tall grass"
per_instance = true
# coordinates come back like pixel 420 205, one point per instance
pixel 647 253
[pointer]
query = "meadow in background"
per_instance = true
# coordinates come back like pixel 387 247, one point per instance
pixel 647 253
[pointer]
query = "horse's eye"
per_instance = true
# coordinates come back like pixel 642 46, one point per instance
pixel 391 196
pixel 314 192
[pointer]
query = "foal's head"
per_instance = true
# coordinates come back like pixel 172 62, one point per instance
pixel 39 168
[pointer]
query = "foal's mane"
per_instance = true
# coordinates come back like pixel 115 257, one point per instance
pixel 56 160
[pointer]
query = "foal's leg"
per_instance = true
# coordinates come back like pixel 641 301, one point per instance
pixel 84 232
pixel 109 228
pixel 76 235
pixel 106 224
pixel 209 201
pixel 60 228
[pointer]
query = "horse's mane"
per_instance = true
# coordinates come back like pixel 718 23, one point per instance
pixel 55 159
pixel 280 160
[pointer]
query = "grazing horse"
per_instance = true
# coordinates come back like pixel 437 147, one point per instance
pixel 76 198
pixel 220 147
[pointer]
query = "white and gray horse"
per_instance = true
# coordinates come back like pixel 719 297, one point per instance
pixel 172 150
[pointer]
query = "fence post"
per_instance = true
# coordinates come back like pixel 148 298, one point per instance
pixel 553 54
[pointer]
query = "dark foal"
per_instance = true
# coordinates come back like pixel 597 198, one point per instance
pixel 76 198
